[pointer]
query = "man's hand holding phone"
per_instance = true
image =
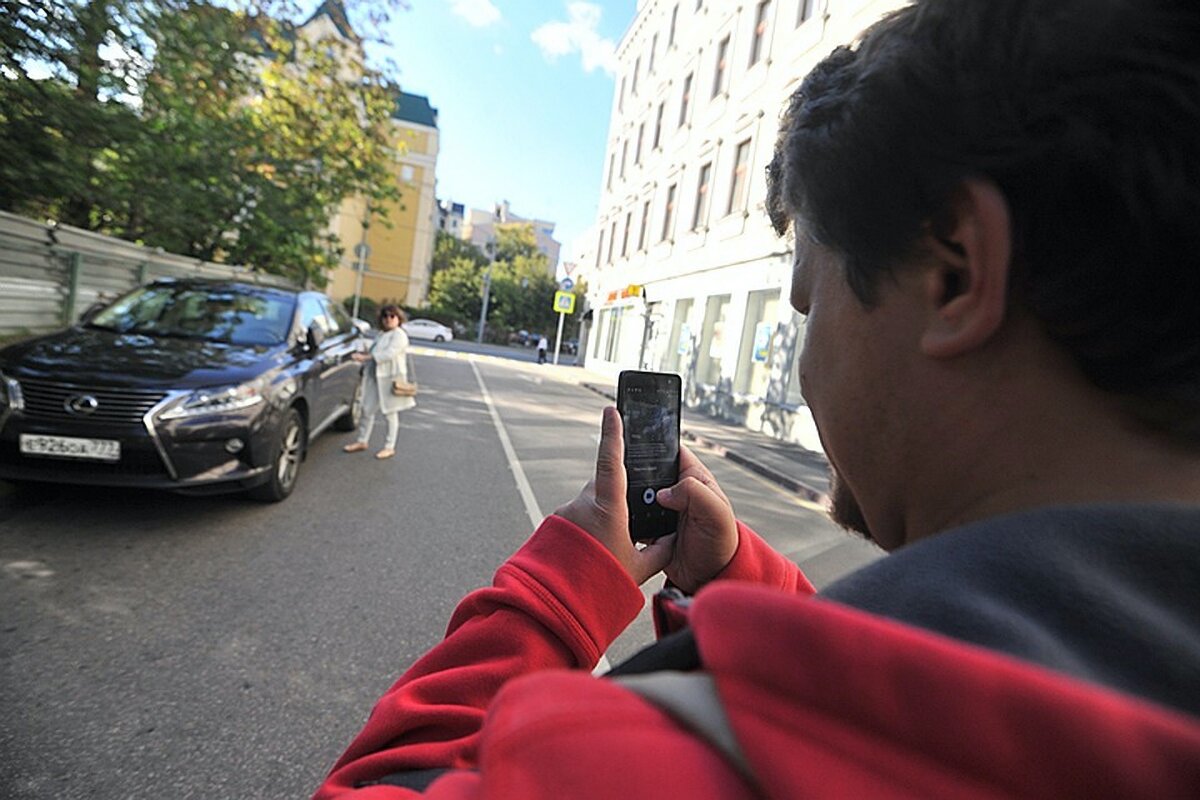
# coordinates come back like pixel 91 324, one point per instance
pixel 707 536
pixel 601 509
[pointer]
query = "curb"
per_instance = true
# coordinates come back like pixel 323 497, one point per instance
pixel 770 473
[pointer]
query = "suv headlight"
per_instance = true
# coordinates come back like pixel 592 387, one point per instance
pixel 219 400
pixel 10 393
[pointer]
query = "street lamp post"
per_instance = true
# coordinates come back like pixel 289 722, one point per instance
pixel 487 290
pixel 361 251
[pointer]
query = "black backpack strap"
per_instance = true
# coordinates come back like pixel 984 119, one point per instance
pixel 418 779
pixel 674 652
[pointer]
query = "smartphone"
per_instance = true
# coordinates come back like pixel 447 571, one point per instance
pixel 648 403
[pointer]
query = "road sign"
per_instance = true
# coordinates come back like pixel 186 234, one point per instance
pixel 564 302
pixel 566 284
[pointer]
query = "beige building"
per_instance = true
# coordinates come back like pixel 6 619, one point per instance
pixel 399 258
pixel 684 271
pixel 479 228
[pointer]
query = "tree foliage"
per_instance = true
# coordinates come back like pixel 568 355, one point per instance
pixel 522 289
pixel 216 131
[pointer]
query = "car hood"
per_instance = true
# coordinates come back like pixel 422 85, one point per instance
pixel 90 356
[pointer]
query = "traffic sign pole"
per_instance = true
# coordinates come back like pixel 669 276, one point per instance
pixel 558 336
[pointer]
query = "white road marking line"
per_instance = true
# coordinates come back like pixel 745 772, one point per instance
pixel 531 506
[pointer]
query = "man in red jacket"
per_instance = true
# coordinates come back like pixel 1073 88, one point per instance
pixel 995 210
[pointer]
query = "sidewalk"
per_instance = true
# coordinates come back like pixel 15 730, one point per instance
pixel 791 466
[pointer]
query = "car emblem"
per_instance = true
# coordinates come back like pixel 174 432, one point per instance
pixel 81 404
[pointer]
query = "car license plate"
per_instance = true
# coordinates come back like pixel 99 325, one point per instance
pixel 70 447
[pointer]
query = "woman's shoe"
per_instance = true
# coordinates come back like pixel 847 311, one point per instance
pixel 386 452
pixel 356 447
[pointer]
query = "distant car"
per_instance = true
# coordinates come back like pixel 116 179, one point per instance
pixel 428 329
pixel 191 385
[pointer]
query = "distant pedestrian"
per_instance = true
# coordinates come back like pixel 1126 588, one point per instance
pixel 387 360
pixel 542 346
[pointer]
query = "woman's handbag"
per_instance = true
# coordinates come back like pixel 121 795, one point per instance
pixel 402 388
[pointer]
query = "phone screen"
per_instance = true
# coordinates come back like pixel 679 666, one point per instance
pixel 649 407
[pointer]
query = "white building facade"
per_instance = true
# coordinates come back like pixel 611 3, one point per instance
pixel 685 273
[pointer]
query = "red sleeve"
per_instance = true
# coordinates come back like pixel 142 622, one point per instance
pixel 755 561
pixel 557 603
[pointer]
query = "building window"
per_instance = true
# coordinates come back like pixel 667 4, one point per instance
pixel 624 155
pixel 760 30
pixel 702 193
pixel 720 72
pixel 669 212
pixel 758 341
pixel 637 65
pixel 653 47
pixel 699 4
pixel 612 168
pixel 599 249
pixel 741 161
pixel 612 240
pixel 621 97
pixel 671 30
pixel 625 236
pixel 642 228
pixel 658 124
pixel 407 173
pixel 685 99
pixel 637 150
pixel 613 339
pixel 712 341
pixel 680 342
pixel 807 9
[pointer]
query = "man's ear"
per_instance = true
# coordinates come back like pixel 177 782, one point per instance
pixel 966 282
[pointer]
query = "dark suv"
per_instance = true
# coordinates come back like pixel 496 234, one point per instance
pixel 190 385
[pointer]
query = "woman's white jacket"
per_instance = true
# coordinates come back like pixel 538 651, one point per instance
pixel 389 356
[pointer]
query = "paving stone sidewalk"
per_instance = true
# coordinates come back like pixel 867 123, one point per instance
pixel 791 466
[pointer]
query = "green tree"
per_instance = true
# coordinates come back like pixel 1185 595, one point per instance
pixel 447 249
pixel 218 132
pixel 456 291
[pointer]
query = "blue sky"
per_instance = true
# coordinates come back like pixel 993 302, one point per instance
pixel 523 90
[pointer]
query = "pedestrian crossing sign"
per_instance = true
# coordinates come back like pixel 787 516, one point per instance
pixel 564 302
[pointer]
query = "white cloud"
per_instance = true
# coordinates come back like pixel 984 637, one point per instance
pixel 578 35
pixel 479 13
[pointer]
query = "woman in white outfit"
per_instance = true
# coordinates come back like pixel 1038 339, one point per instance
pixel 386 361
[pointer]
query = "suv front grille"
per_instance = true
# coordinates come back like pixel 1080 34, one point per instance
pixel 48 401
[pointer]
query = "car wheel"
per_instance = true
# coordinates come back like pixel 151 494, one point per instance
pixel 439 338
pixel 349 421
pixel 285 462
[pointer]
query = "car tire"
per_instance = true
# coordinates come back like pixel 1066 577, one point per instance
pixel 285 460
pixel 439 338
pixel 349 421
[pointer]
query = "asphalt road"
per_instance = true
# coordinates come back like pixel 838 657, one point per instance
pixel 156 645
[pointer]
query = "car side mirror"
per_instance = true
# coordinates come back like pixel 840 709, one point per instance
pixel 91 311
pixel 315 336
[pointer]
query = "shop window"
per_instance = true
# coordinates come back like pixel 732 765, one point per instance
pixel 712 340
pixel 680 340
pixel 757 345
pixel 793 397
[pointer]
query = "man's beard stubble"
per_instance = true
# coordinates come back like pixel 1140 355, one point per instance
pixel 844 508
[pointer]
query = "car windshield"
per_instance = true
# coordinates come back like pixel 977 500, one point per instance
pixel 242 315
